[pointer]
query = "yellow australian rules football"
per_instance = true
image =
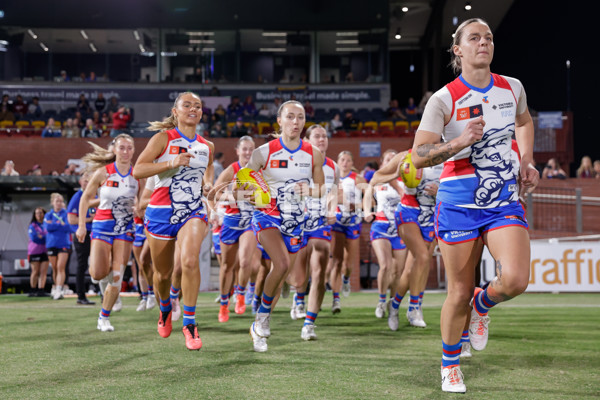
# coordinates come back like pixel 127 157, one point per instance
pixel 410 175
pixel 262 192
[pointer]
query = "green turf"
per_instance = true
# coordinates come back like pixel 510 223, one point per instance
pixel 541 347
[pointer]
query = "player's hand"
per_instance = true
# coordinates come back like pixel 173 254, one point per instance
pixel 369 217
pixel 530 177
pixel 431 189
pixel 182 160
pixel 81 234
pixel 473 132
pixel 245 192
pixel 330 218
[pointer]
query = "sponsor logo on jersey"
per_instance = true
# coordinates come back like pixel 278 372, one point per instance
pixel 485 99
pixel 279 164
pixel 302 165
pixel 112 184
pixel 294 241
pixel 465 99
pixel 514 217
pixel 177 150
pixel 505 105
pixel 469 112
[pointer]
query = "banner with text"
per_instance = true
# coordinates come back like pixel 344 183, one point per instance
pixel 557 267
pixel 152 93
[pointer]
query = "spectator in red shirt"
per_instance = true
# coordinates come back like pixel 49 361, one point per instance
pixel 19 107
pixel 120 121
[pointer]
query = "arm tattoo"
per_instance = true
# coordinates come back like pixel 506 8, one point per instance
pixel 435 154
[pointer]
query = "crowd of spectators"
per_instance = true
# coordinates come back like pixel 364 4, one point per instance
pixel 90 118
pixel 36 170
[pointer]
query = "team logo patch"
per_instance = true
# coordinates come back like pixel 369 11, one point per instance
pixel 279 164
pixel 114 184
pixel 177 150
pixel 294 241
pixel 468 112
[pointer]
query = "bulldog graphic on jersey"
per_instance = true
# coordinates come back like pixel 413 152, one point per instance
pixel 122 211
pixel 290 205
pixel 185 192
pixel 492 167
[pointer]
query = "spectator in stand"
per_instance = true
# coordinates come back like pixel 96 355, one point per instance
pixel 218 163
pixel 235 109
pixel 92 77
pixel 203 126
pixel 219 113
pixel 51 130
pixel 586 169
pixel 239 129
pixel 100 103
pixel 275 106
pixel 350 77
pixel 309 110
pixel 79 120
pixel 597 169
pixel 410 111
pixel 9 169
pixel 113 105
pixel 350 123
pixel 64 77
pixel 424 101
pixel 96 119
pixel 214 91
pixel 369 170
pixel 394 112
pixel 70 129
pixel 553 170
pixel 83 106
pixel 336 124
pixel 264 111
pixel 34 109
pixel 90 130
pixel 66 172
pixel 19 107
pixel 6 114
pixel 217 130
pixel 36 170
pixel 53 173
pixel 6 101
pixel 249 108
pixel 105 124
pixel 121 120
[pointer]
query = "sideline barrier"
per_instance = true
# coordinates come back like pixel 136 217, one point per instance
pixel 557 266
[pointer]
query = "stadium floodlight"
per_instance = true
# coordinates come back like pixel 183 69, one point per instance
pixel 348 49
pixel 84 34
pixel 275 34
pixel 272 49
pixel 468 6
pixel 32 34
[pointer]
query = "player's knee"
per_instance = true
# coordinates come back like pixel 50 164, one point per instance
pixel 514 286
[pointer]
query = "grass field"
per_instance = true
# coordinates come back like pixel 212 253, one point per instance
pixel 542 346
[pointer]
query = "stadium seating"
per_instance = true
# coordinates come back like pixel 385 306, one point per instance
pixel 414 125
